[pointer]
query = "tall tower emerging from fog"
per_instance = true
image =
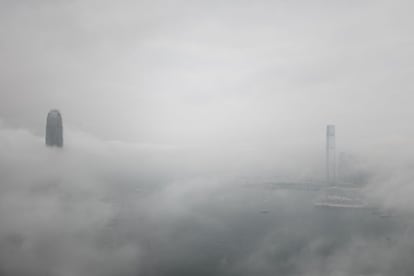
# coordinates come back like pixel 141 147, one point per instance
pixel 54 129
pixel 330 155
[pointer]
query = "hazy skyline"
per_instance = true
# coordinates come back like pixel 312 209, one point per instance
pixel 177 113
pixel 192 72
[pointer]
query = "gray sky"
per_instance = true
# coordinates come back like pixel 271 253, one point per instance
pixel 220 72
pixel 171 107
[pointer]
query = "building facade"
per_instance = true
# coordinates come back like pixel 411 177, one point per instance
pixel 54 129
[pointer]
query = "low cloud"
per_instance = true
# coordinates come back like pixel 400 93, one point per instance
pixel 114 208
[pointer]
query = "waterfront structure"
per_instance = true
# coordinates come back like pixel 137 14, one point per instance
pixel 330 155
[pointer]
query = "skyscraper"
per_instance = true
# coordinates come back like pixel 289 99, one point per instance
pixel 330 155
pixel 54 129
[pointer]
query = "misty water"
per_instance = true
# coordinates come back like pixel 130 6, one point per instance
pixel 190 138
pixel 106 211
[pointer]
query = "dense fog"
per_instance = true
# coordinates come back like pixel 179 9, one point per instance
pixel 111 208
pixel 180 121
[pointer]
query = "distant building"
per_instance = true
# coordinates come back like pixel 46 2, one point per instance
pixel 347 167
pixel 54 129
pixel 330 155
pixel 351 170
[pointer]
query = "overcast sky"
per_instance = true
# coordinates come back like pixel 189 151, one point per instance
pixel 198 72
pixel 176 115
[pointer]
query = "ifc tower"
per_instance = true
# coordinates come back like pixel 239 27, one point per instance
pixel 54 129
